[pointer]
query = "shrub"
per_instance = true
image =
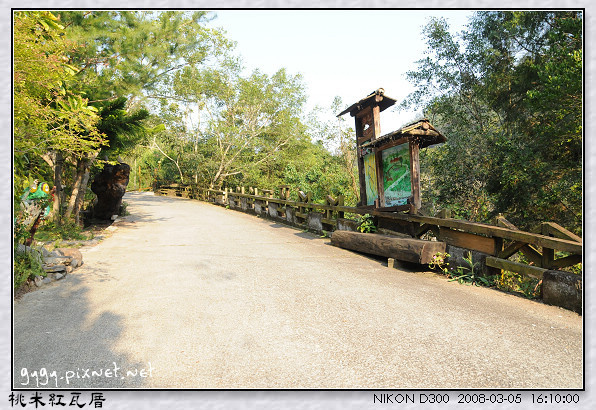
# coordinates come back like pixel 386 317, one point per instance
pixel 26 266
pixel 367 224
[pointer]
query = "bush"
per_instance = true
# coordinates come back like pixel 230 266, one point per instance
pixel 368 224
pixel 26 266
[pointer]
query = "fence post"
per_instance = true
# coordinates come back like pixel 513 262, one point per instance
pixel 548 255
pixel 340 202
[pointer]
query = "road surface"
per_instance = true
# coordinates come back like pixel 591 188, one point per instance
pixel 185 294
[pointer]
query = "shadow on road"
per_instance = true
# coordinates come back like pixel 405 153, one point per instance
pixel 54 329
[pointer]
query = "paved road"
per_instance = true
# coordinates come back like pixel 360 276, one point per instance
pixel 190 295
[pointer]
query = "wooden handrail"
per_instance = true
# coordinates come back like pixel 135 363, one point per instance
pixel 566 241
pixel 490 230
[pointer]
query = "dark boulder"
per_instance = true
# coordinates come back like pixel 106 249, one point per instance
pixel 109 186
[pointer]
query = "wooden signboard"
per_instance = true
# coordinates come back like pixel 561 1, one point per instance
pixel 388 165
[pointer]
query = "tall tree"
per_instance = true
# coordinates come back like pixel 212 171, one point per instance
pixel 247 120
pixel 507 93
pixel 132 53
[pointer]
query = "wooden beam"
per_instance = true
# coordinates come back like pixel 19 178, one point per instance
pixel 558 231
pixel 429 133
pixel 490 230
pixel 532 254
pixel 405 249
pixel 511 249
pixel 415 174
pixel 548 253
pixel 566 261
pixel 467 240
pixel 376 121
pixel 522 268
pixel 392 143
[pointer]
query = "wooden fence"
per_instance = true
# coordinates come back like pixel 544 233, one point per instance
pixel 549 247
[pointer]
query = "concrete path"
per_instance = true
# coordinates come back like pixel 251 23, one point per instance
pixel 185 294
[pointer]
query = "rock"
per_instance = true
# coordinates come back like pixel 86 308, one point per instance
pixel 109 186
pixel 60 260
pixel 346 224
pixel 562 289
pixel 47 280
pixel 58 276
pixel 75 254
pixel 314 221
pixel 38 281
pixel 69 269
pixel 54 268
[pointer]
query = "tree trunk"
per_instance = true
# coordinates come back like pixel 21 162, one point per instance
pixel 80 187
pixel 81 196
pixel 76 188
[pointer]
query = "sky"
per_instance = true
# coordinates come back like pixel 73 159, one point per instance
pixel 345 53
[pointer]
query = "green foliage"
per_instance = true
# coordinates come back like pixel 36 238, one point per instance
pixel 123 211
pixel 468 274
pixel 507 93
pixel 367 224
pixel 128 52
pixel 517 283
pixel 47 113
pixel 51 231
pixel 25 267
pixel 123 128
pixel 439 261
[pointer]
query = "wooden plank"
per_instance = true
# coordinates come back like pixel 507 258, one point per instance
pixel 444 213
pixel 501 221
pixel 428 133
pixel 511 249
pixel 522 268
pixel 490 230
pixel 395 208
pixel 566 261
pixel 393 143
pixel 329 221
pixel 376 122
pixel 558 231
pixel 532 254
pixel 424 228
pixel 548 253
pixel 362 180
pixel 405 249
pixel 467 240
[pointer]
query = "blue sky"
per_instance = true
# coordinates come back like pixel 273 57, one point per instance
pixel 346 53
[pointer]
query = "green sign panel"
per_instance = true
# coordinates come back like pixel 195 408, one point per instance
pixel 397 181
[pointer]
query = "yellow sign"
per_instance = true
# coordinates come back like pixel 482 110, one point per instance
pixel 370 178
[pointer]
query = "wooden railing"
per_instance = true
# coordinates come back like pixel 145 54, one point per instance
pixel 549 247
